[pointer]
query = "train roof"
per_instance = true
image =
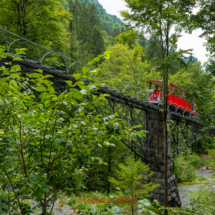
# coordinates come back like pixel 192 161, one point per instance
pixel 160 84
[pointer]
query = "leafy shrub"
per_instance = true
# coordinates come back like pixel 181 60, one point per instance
pixel 185 165
pixel 202 200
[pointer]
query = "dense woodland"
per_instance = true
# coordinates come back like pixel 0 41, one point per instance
pixel 53 147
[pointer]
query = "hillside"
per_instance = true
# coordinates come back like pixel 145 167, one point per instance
pixel 108 22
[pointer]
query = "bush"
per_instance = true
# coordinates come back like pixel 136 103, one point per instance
pixel 202 200
pixel 185 165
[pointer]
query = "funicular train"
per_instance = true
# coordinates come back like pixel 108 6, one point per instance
pixel 175 99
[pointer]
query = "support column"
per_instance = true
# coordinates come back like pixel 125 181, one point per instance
pixel 155 141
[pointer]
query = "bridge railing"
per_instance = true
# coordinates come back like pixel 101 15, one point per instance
pixel 46 56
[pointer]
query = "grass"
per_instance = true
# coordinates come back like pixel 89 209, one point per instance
pixel 198 180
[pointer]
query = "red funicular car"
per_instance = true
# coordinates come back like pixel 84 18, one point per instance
pixel 175 98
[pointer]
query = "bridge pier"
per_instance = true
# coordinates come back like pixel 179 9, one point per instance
pixel 155 141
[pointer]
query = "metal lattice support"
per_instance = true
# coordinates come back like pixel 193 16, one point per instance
pixel 183 135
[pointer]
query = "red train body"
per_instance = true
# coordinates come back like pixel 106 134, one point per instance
pixel 174 99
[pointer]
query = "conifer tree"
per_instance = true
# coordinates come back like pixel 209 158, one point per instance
pixel 94 16
pixel 97 41
pixel 115 33
pixel 130 175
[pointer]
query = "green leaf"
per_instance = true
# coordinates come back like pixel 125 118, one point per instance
pixel 145 202
pixel 41 88
pixel 1 102
pixel 77 76
pixel 80 109
pixel 12 82
pixel 38 194
pixel 5 72
pixel 74 91
pixel 69 143
pixel 57 140
pixel 95 72
pixel 17 59
pixel 14 75
pixel 16 67
pixel 89 106
pixel 32 185
pixel 21 51
pixel 91 87
pixel 45 190
pixel 96 59
pixel 38 70
pixel 48 76
pixel 43 95
pixel 32 123
pixel 69 83
pixel 96 102
pixel 85 69
pixel 3 80
pixel 91 63
pixel 84 92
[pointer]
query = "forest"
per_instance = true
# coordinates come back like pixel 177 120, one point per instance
pixel 57 150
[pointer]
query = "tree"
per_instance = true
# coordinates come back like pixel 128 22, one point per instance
pixel 129 37
pixel 85 26
pixel 41 21
pixel 199 86
pixel 115 33
pixel 205 19
pixel 158 18
pixel 94 16
pixel 126 64
pixel 42 130
pixel 97 42
pixel 132 180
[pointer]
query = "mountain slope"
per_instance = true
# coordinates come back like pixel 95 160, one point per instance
pixel 108 22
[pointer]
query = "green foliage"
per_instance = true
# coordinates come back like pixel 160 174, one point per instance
pixel 126 64
pixel 108 22
pixel 204 19
pixel 108 208
pixel 157 19
pixel 44 134
pixel 41 21
pixel 202 200
pixel 128 38
pixel 200 85
pixel 97 41
pixel 132 180
pixel 86 33
pixel 185 166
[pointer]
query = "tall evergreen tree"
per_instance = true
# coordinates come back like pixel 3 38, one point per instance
pixel 115 33
pixel 97 41
pixel 94 16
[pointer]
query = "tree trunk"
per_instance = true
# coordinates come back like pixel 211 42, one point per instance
pixel 109 169
pixel 165 80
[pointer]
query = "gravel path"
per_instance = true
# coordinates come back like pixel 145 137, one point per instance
pixel 65 210
pixel 185 201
